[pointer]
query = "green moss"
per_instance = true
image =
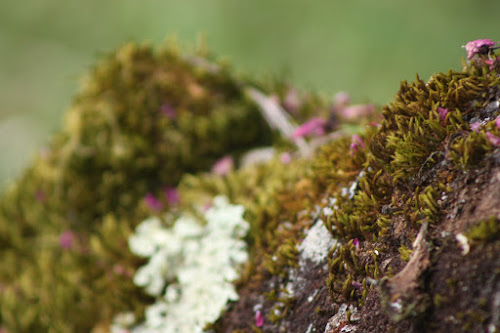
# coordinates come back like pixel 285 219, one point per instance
pixel 405 252
pixel 487 230
pixel 142 119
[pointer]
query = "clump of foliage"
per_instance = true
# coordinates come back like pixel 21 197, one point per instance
pixel 408 165
pixel 142 119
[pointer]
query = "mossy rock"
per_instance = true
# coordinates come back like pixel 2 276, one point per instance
pixel 407 210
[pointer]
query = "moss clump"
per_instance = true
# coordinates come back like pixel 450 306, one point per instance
pixel 487 230
pixel 142 119
pixel 411 158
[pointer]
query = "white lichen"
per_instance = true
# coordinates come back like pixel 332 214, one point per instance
pixel 194 264
pixel 317 244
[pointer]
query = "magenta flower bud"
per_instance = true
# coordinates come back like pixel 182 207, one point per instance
pixel 259 319
pixel 497 123
pixel 67 240
pixel 495 140
pixel 442 113
pixel 313 127
pixel 171 194
pixel 478 46
pixel 153 203
pixel 286 158
pixel 292 101
pixel 356 285
pixel 357 142
pixel 341 99
pixel 358 111
pixel 168 111
pixel 475 127
pixel 223 166
pixel 355 241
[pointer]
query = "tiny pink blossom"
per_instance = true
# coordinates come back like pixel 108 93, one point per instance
pixel 475 127
pixel 355 242
pixel 357 111
pixel 259 319
pixel 153 203
pixel 67 240
pixel 478 46
pixel 357 142
pixel 495 140
pixel 442 113
pixel 286 158
pixel 374 124
pixel 492 62
pixel 356 285
pixel 497 123
pixel 292 101
pixel 341 100
pixel 168 111
pixel 223 166
pixel 171 194
pixel 313 127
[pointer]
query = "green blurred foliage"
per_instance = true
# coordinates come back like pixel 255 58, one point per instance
pixel 364 47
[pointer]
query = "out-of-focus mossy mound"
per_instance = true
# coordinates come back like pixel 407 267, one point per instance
pixel 142 119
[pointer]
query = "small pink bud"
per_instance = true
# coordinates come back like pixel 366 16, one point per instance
pixel 355 242
pixel 292 101
pixel 286 158
pixel 171 194
pixel 153 203
pixel 442 113
pixel 341 99
pixel 67 240
pixel 497 123
pixel 475 127
pixel 313 127
pixel 223 166
pixel 357 111
pixel 356 285
pixel 168 111
pixel 495 140
pixel 259 319
pixel 357 142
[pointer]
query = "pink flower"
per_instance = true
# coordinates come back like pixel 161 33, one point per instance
pixel 357 111
pixel 492 62
pixel 495 140
pixel 168 111
pixel 341 100
pixel 223 166
pixel 478 46
pixel 259 319
pixel 442 113
pixel 153 203
pixel 356 285
pixel 171 194
pixel 355 242
pixel 313 127
pixel 67 240
pixel 476 126
pixel 357 142
pixel 292 101
pixel 286 158
pixel 497 123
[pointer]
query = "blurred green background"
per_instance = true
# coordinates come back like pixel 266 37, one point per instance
pixel 364 47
